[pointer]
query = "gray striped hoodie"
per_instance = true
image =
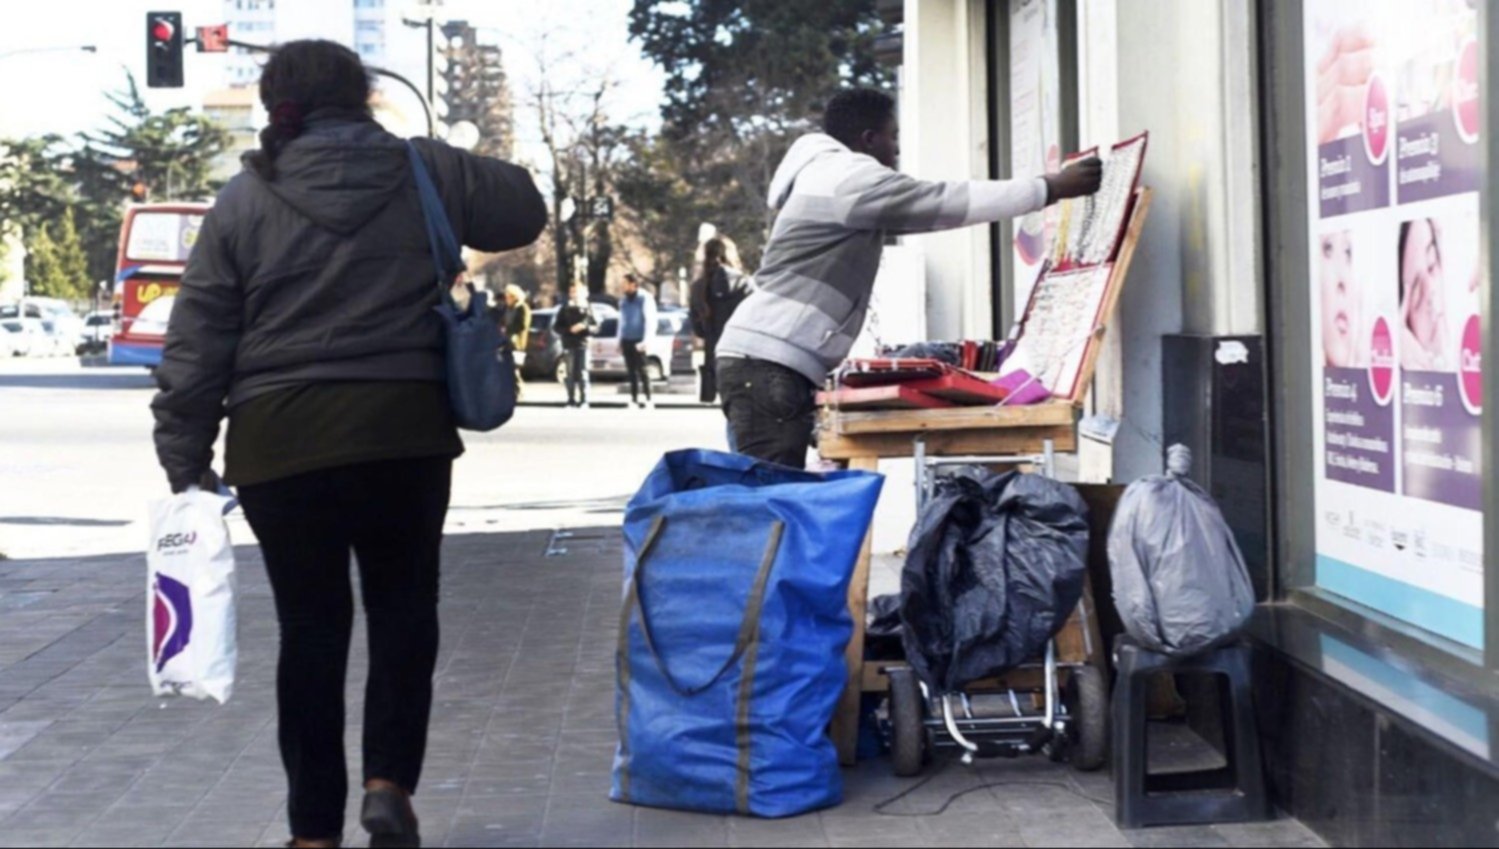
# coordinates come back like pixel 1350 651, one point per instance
pixel 836 208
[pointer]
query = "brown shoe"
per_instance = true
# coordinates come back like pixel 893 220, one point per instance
pixel 388 817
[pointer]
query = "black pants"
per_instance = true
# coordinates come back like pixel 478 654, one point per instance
pixel 390 514
pixel 577 375
pixel 635 366
pixel 771 410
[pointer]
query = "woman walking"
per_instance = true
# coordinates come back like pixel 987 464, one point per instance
pixel 306 315
pixel 716 294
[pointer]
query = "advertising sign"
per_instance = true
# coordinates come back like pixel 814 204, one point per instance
pixel 1035 127
pixel 1393 167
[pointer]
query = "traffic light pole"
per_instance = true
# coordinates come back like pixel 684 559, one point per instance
pixel 431 62
pixel 426 105
pixel 425 101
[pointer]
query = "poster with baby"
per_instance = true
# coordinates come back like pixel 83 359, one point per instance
pixel 1394 171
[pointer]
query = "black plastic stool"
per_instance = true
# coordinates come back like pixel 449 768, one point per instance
pixel 1234 793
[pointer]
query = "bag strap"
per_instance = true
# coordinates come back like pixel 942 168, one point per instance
pixel 748 626
pixel 746 645
pixel 447 259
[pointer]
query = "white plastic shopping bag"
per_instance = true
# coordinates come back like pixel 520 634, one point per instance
pixel 190 625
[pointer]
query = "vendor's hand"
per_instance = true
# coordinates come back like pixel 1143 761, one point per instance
pixel 577 328
pixel 1076 180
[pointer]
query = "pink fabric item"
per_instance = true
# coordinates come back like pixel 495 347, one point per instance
pixel 1023 388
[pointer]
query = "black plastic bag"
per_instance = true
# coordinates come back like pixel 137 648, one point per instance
pixel 882 634
pixel 996 566
pixel 1180 583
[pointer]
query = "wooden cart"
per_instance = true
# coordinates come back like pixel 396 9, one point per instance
pixel 860 440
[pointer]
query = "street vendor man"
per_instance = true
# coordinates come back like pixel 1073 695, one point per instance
pixel 838 197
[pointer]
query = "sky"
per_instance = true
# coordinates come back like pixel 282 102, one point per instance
pixel 62 91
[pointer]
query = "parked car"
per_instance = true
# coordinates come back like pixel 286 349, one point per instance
pixel 682 341
pixel 661 350
pixel 67 322
pixel 544 360
pixel 63 326
pixel 17 338
pixel 544 351
pixel 98 329
pixel 47 330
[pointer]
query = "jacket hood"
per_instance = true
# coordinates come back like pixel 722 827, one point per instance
pixel 802 153
pixel 341 171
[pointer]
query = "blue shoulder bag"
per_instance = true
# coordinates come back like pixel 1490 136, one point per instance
pixel 481 367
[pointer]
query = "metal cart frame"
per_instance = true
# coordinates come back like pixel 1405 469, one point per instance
pixel 1056 727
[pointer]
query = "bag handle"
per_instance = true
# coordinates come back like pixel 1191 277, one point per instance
pixel 444 245
pixel 748 626
pixel 758 472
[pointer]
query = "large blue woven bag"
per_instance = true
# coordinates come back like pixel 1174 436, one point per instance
pixel 732 633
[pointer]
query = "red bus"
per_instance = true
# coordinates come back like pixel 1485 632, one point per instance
pixel 155 241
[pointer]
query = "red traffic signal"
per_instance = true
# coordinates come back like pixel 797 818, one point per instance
pixel 214 39
pixel 164 49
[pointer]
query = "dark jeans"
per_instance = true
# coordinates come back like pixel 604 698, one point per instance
pixel 635 366
pixel 577 375
pixel 771 410
pixel 390 514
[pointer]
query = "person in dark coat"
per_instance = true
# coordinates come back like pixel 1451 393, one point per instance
pixel 715 295
pixel 576 324
pixel 306 317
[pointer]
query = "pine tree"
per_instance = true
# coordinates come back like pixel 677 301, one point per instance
pixel 169 154
pixel 72 261
pixel 43 274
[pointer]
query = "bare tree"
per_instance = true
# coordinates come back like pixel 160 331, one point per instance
pixel 584 151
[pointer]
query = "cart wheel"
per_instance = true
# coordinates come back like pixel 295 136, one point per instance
pixel 1088 704
pixel 907 731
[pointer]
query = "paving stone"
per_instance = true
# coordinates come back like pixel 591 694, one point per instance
pixel 521 745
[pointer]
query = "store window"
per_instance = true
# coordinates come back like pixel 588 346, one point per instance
pixel 1032 60
pixel 1393 162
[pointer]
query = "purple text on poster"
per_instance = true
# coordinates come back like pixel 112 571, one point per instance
pixel 1442 442
pixel 1432 161
pixel 1347 181
pixel 1360 433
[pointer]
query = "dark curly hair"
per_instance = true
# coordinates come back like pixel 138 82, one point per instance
pixel 300 77
pixel 852 112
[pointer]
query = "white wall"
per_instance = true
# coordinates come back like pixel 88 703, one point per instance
pixel 944 136
pixel 1183 70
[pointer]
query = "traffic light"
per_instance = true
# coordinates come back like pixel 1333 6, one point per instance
pixel 164 49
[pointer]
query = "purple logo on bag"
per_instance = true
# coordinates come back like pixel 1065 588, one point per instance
pixel 172 617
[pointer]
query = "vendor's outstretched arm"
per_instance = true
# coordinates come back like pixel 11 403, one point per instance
pixel 878 198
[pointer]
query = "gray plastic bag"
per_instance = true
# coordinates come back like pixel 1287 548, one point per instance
pixel 1180 584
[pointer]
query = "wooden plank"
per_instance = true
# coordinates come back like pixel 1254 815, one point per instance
pixel 1115 289
pixel 959 418
pixel 845 728
pixel 1028 440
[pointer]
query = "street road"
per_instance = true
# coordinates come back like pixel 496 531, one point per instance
pixel 77 467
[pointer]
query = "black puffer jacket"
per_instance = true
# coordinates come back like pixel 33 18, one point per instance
pixel 323 273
